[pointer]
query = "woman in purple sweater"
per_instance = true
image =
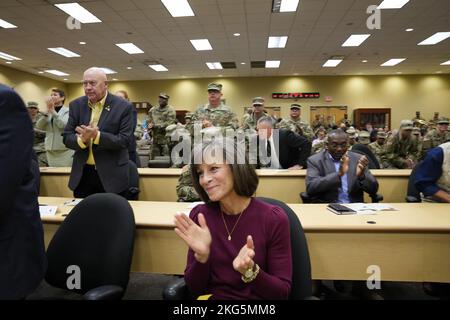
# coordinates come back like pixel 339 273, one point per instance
pixel 239 247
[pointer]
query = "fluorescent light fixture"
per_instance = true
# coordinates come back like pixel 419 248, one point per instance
pixel 41 72
pixel 277 42
pixel 158 67
pixel 435 38
pixel 129 68
pixel 214 65
pixel 392 4
pixel 129 48
pixel 446 63
pixel 82 42
pixel 115 79
pixel 8 62
pixel 76 11
pixel 409 29
pixel 108 70
pixel 64 52
pixel 392 62
pixel 236 34
pixel 65 79
pixel 364 61
pixel 355 40
pixel 272 63
pixel 284 5
pixel 242 63
pixel 331 63
pixel 6 24
pixel 178 8
pixel 57 73
pixel 8 56
pixel 201 44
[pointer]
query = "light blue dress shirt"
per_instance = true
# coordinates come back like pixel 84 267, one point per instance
pixel 343 190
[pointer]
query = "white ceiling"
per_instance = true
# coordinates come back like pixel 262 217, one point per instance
pixel 316 32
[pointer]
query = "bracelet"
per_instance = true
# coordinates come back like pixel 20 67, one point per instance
pixel 252 277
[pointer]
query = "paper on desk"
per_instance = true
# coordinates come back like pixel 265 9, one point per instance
pixel 359 207
pixel 47 210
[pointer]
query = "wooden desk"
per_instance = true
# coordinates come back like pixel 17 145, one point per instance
pixel 412 244
pixel 159 184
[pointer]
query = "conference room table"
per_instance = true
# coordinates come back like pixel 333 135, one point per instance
pixel 409 244
pixel 159 184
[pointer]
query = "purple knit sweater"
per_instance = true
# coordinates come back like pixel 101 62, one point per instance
pixel 269 227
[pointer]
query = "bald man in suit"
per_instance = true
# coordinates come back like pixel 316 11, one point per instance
pixel 22 251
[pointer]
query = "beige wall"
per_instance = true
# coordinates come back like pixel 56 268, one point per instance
pixel 29 86
pixel 403 94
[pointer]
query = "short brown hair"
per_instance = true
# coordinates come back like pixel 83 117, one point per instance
pixel 245 179
pixel 125 94
pixel 60 92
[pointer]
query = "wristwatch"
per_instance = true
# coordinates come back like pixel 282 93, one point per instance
pixel 250 274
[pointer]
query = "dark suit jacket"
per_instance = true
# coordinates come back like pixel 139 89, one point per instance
pixel 322 180
pixel 111 154
pixel 292 149
pixel 22 251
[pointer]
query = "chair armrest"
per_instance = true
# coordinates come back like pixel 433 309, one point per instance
pixel 109 292
pixel 412 199
pixel 176 290
pixel 376 197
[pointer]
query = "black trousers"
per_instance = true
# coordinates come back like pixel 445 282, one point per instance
pixel 90 183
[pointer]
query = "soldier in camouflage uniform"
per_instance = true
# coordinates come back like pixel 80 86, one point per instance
pixel 378 149
pixel 177 133
pixel 185 189
pixel 39 135
pixel 437 136
pixel 433 122
pixel 319 143
pixel 215 112
pixel 418 118
pixel 159 117
pixel 402 148
pixel 318 122
pixel 352 137
pixel 364 137
pixel 294 123
pixel 249 121
pixel 187 119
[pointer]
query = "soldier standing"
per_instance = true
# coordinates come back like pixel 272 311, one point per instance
pixel 249 122
pixel 39 135
pixel 294 123
pixel 437 136
pixel 217 113
pixel 402 148
pixel 159 117
pixel 377 148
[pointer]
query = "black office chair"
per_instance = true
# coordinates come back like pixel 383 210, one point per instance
pixel 97 237
pixel 412 194
pixel 365 151
pixel 301 288
pixel 133 190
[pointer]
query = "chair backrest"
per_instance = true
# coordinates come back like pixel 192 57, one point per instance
pixel 133 190
pixel 364 150
pixel 412 194
pixel 301 265
pixel 97 237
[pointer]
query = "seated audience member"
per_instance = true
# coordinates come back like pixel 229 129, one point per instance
pixel 335 175
pixel 433 174
pixel 22 251
pixel 185 188
pixel 230 256
pixel 402 149
pixel 285 149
